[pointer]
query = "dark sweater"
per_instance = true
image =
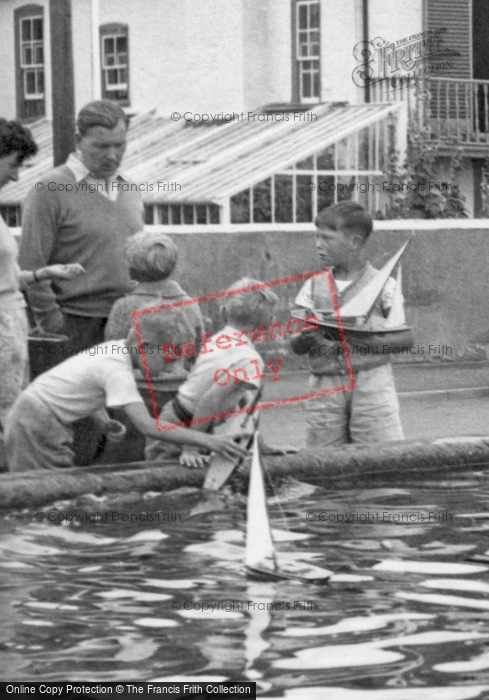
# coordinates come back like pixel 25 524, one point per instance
pixel 78 226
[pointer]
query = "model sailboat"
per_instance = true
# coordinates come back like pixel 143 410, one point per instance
pixel 355 311
pixel 261 558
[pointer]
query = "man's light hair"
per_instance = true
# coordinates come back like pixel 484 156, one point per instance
pixel 100 113
pixel 246 306
pixel 162 327
pixel 150 256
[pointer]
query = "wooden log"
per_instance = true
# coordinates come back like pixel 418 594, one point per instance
pixel 34 489
pixel 389 462
pixel 352 465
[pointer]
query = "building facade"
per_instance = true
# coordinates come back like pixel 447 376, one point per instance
pixel 247 76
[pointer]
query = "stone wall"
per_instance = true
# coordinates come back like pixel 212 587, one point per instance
pixel 445 275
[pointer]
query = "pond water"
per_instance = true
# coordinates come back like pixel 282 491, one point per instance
pixel 166 597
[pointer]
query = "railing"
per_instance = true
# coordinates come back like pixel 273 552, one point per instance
pixel 444 110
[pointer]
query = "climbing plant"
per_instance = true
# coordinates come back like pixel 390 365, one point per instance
pixel 410 194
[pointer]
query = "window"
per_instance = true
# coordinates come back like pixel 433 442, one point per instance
pixel 114 40
pixel 177 214
pixel 351 168
pixel 29 41
pixel 307 50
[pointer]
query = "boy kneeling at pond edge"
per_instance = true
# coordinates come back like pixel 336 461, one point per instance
pixel 369 412
pixel 38 431
pixel 227 366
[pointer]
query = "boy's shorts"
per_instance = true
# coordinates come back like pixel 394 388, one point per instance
pixel 368 413
pixel 35 438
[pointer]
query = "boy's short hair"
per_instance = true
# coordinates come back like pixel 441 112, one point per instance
pixel 161 327
pixel 244 307
pixel 348 217
pixel 150 256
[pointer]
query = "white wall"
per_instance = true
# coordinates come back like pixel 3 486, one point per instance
pixel 280 51
pixel 185 55
pixel 267 47
pixel 82 52
pixel 340 31
pixel 395 19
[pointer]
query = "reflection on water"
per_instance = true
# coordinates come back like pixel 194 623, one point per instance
pixel 406 612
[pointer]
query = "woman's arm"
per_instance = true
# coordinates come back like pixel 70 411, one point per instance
pixel 65 272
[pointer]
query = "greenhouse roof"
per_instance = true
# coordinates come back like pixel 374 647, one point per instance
pixel 212 163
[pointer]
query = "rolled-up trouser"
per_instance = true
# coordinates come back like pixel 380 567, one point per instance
pixel 35 438
pixel 368 413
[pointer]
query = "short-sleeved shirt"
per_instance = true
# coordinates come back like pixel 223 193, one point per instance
pixel 241 355
pixel 100 376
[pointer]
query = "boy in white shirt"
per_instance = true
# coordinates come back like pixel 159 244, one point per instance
pixel 227 366
pixel 38 431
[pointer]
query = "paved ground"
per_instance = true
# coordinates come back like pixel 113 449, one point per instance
pixel 436 401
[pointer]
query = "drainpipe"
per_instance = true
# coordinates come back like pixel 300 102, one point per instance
pixel 95 24
pixel 62 80
pixel 366 39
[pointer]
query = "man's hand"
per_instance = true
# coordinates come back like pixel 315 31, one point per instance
pixel 62 272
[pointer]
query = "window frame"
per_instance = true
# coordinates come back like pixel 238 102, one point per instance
pixel 299 61
pixel 30 106
pixel 114 31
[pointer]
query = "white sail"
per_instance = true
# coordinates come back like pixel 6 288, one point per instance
pixel 259 543
pixel 362 303
pixel 396 316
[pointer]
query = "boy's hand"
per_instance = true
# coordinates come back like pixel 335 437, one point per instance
pixel 223 445
pixel 315 336
pixel 114 430
pixel 226 446
pixel 191 457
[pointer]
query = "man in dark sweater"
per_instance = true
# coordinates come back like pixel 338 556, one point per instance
pixel 84 213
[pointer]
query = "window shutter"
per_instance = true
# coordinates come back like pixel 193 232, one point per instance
pixel 455 16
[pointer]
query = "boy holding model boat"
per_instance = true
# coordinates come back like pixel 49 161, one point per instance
pixel 370 307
